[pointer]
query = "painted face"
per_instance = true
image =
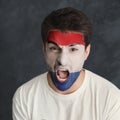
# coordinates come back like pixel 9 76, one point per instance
pixel 65 56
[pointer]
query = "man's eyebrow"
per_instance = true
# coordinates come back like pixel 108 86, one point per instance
pixel 52 43
pixel 73 45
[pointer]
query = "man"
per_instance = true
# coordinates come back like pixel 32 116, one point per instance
pixel 67 91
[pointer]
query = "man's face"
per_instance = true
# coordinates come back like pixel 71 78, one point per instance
pixel 65 53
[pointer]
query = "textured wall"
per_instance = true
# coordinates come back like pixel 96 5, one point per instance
pixel 21 55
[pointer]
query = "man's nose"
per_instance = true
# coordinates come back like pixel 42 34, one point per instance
pixel 63 58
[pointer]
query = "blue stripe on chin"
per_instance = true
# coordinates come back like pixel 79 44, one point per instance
pixel 67 84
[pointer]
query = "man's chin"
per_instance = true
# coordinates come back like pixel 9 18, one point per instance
pixel 64 82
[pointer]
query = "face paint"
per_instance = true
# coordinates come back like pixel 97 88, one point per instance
pixel 64 59
pixel 65 38
pixel 66 84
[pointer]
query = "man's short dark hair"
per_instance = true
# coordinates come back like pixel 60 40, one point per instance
pixel 67 19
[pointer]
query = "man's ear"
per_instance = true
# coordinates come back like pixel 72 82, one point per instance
pixel 87 51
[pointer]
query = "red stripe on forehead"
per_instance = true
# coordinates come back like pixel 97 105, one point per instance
pixel 62 38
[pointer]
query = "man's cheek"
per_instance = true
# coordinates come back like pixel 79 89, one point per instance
pixel 77 64
pixel 51 61
pixel 50 65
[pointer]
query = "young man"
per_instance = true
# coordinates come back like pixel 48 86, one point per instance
pixel 67 91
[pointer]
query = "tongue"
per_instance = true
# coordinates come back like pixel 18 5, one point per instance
pixel 63 74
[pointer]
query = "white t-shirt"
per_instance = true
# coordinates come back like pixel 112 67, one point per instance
pixel 96 99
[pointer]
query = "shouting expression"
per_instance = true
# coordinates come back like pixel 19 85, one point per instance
pixel 65 54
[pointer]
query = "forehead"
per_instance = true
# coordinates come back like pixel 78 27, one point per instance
pixel 65 38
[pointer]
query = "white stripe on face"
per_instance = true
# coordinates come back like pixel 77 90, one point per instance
pixel 69 57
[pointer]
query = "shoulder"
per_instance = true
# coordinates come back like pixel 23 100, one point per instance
pixel 106 93
pixel 102 87
pixel 30 87
pixel 100 82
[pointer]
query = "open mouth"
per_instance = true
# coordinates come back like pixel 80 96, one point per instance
pixel 62 75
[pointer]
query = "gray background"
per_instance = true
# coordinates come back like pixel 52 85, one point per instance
pixel 21 55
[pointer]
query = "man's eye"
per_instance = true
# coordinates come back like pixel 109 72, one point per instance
pixel 53 48
pixel 73 49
